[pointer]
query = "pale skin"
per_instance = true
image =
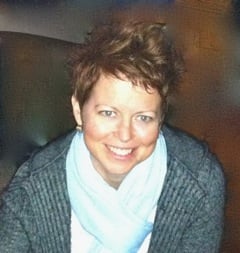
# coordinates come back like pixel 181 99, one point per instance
pixel 121 124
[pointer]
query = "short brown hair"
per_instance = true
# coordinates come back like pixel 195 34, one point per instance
pixel 140 51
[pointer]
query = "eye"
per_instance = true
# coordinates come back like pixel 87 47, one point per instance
pixel 145 118
pixel 107 113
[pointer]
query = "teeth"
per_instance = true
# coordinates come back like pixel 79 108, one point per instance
pixel 121 151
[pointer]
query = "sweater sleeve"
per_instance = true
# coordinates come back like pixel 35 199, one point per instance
pixel 12 235
pixel 204 233
pixel 14 215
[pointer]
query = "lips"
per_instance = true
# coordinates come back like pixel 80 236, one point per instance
pixel 120 151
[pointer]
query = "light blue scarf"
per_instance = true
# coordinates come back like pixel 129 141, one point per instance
pixel 117 219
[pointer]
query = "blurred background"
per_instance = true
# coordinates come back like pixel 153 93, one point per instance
pixel 37 36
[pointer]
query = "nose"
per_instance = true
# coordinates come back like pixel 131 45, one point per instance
pixel 125 131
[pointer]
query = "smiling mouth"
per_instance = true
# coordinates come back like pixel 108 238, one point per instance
pixel 121 151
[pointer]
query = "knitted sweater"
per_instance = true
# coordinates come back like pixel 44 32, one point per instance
pixel 35 215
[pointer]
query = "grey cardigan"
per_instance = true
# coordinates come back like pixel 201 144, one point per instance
pixel 35 214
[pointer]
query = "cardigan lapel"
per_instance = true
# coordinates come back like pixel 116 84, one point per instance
pixel 50 199
pixel 180 196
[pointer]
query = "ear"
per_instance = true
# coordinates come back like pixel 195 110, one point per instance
pixel 76 110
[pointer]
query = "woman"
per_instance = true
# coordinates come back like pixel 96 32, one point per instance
pixel 124 181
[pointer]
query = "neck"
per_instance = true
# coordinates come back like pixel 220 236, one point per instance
pixel 113 180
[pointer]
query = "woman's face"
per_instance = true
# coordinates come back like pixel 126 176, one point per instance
pixel 120 125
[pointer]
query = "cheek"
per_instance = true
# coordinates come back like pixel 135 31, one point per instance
pixel 95 129
pixel 148 136
pixel 148 141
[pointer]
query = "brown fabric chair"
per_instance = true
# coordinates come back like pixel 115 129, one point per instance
pixel 34 96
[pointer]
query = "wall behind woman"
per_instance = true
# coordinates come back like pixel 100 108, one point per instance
pixel 208 104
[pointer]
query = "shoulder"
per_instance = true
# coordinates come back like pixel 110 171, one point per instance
pixel 47 161
pixel 194 156
pixel 52 153
pixel 182 145
pixel 39 184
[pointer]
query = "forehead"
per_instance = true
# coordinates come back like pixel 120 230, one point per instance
pixel 115 91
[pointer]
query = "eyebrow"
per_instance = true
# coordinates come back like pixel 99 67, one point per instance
pixel 138 112
pixel 105 105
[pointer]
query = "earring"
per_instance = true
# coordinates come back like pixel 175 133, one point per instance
pixel 79 128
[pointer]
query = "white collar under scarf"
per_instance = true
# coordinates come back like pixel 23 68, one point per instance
pixel 116 219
